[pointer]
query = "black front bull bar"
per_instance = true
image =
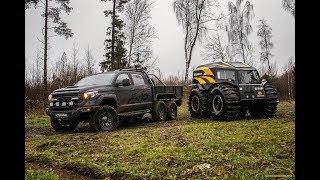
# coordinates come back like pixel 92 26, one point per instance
pixel 72 113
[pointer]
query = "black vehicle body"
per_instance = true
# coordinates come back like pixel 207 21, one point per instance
pixel 127 99
pixel 240 82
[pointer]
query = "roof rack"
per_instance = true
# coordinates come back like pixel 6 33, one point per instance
pixel 136 68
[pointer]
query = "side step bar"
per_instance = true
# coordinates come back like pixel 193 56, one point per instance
pixel 134 113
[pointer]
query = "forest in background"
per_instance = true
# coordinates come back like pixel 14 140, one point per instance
pixel 130 36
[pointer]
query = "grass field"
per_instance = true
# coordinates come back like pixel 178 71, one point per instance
pixel 182 149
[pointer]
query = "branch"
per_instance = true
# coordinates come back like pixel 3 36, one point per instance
pixel 40 40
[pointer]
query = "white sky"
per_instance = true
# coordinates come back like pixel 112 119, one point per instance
pixel 89 25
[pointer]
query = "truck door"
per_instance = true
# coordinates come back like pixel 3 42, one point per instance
pixel 123 94
pixel 142 95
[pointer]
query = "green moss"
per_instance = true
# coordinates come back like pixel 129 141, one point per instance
pixel 40 175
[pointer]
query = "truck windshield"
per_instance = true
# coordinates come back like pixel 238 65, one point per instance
pixel 98 79
pixel 249 77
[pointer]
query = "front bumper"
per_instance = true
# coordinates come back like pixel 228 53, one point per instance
pixel 74 112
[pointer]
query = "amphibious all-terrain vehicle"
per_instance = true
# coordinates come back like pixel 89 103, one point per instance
pixel 104 99
pixel 229 91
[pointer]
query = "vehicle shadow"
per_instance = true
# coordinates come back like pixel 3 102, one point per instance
pixel 130 123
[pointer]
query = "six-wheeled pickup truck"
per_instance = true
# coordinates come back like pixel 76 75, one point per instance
pixel 104 99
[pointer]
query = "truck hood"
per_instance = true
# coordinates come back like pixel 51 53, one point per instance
pixel 80 89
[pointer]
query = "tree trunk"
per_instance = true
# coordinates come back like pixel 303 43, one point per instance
pixel 113 63
pixel 220 49
pixel 267 53
pixel 186 74
pixel 242 48
pixel 289 88
pixel 130 49
pixel 188 61
pixel 241 39
pixel 186 53
pixel 45 58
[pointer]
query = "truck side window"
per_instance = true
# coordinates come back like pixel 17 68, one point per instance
pixel 122 77
pixel 226 74
pixel 138 80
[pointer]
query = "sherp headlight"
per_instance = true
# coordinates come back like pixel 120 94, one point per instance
pixel 258 88
pixel 89 95
pixel 50 97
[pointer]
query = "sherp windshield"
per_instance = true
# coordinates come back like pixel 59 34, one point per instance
pixel 249 77
pixel 98 79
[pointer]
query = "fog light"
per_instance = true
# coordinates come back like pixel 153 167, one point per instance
pixel 252 96
pixel 258 88
pixel 71 103
pixel 57 104
pixel 51 104
pixel 247 96
pixel 240 88
pixel 64 104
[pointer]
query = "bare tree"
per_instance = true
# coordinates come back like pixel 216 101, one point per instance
pixel 193 15
pixel 75 62
pixel 265 34
pixel 289 5
pixel 89 62
pixel 215 49
pixel 289 71
pixel 273 71
pixel 239 28
pixel 61 65
pixel 138 31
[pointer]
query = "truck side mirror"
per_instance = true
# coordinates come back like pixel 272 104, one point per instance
pixel 125 82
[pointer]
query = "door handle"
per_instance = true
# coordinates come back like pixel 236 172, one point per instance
pixel 132 89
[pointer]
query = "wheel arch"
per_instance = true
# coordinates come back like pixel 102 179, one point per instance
pixel 215 87
pixel 110 100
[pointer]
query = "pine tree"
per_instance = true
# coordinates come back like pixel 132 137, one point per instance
pixel 52 20
pixel 115 51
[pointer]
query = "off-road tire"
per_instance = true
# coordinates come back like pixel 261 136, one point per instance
pixel 268 108
pixel 159 111
pixel 59 127
pixel 198 104
pixel 172 110
pixel 105 119
pixel 230 108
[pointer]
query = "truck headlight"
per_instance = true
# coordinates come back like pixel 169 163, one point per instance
pixel 89 95
pixel 50 97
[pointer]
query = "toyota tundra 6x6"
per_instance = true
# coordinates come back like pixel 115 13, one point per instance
pixel 103 99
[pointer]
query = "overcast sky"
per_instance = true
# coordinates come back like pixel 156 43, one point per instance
pixel 89 25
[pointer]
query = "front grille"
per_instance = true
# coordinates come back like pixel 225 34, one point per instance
pixel 65 98
pixel 65 95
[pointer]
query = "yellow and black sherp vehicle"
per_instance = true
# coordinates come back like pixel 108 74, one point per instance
pixel 229 90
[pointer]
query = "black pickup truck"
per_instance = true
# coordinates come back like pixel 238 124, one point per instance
pixel 104 99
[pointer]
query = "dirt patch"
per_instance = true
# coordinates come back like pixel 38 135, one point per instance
pixel 62 173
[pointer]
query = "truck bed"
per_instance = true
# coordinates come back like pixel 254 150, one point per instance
pixel 164 92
